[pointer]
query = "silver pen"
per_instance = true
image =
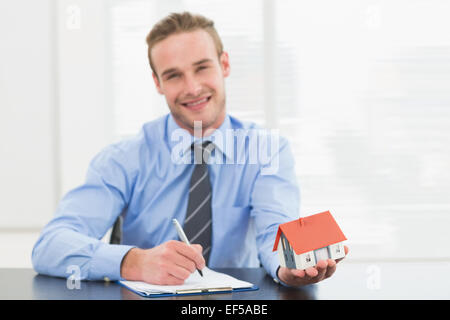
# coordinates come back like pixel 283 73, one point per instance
pixel 183 237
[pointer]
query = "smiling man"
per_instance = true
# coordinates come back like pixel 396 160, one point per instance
pixel 189 69
pixel 230 212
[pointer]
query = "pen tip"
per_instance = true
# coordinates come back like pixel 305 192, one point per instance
pixel 200 271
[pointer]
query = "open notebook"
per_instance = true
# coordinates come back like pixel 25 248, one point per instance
pixel 211 282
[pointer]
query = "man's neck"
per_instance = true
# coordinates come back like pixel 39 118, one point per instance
pixel 198 130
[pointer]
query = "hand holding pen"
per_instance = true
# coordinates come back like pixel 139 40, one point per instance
pixel 183 237
pixel 170 263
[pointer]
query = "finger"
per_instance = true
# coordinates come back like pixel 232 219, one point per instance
pixel 171 256
pixel 171 280
pixel 183 262
pixel 331 268
pixel 194 252
pixel 298 273
pixel 176 265
pixel 198 247
pixel 165 275
pixel 179 272
pixel 191 253
pixel 311 272
pixel 321 268
pixel 322 265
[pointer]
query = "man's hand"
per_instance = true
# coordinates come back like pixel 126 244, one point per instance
pixel 170 263
pixel 323 270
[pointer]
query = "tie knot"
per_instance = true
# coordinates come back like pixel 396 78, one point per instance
pixel 202 152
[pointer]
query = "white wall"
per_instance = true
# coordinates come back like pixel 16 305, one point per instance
pixel 53 115
pixel 27 167
pixel 84 113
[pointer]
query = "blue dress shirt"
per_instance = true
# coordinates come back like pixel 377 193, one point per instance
pixel 146 180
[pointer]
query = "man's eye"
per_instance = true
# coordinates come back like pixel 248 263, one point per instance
pixel 172 76
pixel 201 68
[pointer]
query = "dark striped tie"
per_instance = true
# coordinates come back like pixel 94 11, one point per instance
pixel 198 222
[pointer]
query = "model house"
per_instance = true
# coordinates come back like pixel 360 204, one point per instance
pixel 303 242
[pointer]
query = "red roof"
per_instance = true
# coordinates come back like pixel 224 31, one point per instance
pixel 311 233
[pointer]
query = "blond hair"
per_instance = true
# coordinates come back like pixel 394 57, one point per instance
pixel 178 23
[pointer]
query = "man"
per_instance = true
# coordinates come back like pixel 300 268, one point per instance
pixel 236 207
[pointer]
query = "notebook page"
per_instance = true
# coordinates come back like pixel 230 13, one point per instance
pixel 210 279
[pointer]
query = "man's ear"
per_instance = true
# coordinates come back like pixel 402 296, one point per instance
pixel 157 84
pixel 225 64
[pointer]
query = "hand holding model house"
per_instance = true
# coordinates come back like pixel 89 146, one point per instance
pixel 309 249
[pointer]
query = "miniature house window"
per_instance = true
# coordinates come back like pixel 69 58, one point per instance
pixel 338 249
pixel 308 258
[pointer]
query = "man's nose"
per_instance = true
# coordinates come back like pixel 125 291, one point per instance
pixel 192 86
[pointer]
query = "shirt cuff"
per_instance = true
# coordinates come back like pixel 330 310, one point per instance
pixel 107 261
pixel 273 271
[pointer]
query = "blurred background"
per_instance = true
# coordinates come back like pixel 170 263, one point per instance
pixel 361 88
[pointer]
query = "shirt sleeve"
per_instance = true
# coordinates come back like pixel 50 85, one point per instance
pixel 72 239
pixel 275 199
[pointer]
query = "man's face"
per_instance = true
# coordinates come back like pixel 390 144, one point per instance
pixel 191 77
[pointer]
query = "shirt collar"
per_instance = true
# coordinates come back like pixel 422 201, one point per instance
pixel 181 139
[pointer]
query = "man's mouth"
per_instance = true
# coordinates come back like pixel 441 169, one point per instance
pixel 197 104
